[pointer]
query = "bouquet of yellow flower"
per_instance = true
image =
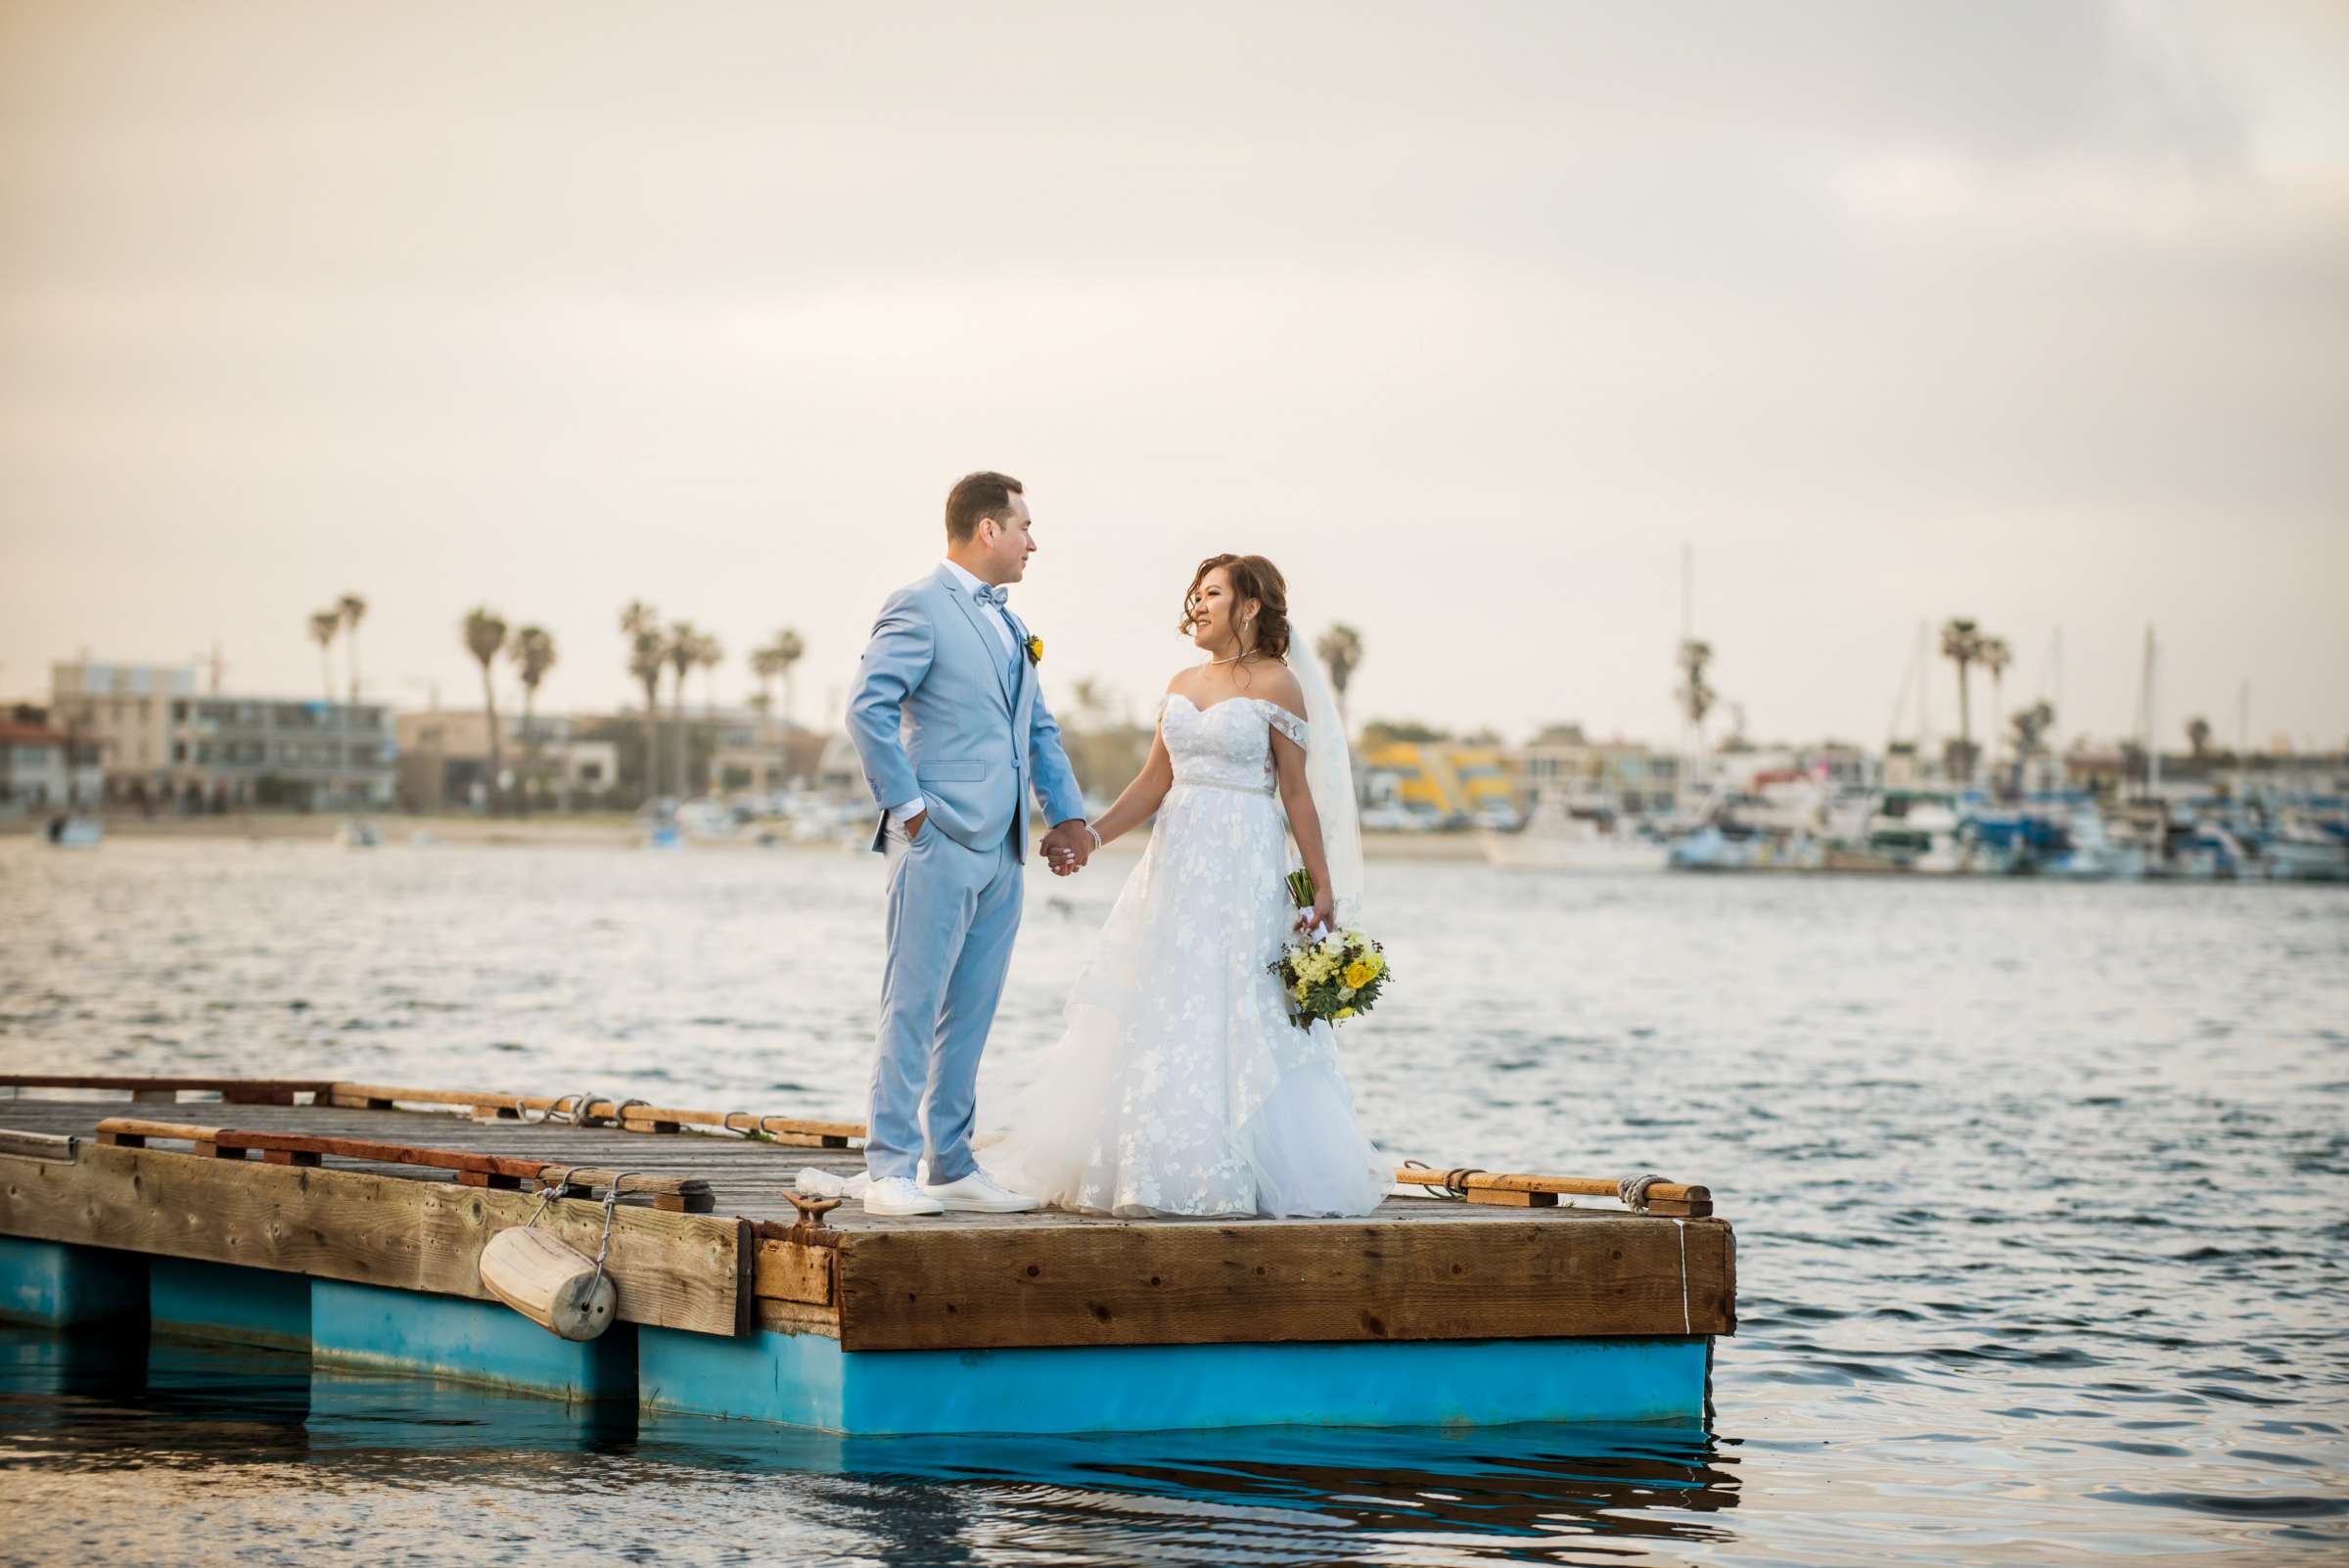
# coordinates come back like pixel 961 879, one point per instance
pixel 1335 975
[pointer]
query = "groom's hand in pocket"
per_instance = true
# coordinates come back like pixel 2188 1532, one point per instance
pixel 914 824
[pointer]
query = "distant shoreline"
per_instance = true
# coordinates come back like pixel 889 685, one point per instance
pixel 581 829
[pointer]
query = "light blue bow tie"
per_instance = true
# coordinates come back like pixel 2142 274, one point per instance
pixel 985 594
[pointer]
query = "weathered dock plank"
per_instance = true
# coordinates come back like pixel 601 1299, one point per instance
pixel 787 1270
pixel 749 1177
pixel 1431 1309
pixel 1583 1273
pixel 232 1090
pixel 1420 1268
pixel 672 1270
pixel 683 1194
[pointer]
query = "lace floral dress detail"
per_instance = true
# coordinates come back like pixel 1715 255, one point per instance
pixel 1180 1086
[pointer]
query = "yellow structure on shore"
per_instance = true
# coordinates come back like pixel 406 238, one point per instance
pixel 1442 780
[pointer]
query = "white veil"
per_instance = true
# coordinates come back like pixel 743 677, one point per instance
pixel 1330 771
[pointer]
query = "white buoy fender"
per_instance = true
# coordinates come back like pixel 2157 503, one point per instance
pixel 549 1283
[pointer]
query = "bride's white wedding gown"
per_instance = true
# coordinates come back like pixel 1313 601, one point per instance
pixel 1181 1088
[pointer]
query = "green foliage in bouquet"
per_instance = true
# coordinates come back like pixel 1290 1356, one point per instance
pixel 1335 977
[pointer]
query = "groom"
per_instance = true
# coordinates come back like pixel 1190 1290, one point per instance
pixel 953 734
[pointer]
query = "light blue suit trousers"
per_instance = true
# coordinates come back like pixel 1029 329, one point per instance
pixel 939 713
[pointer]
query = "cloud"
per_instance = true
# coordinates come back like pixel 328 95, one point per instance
pixel 1472 315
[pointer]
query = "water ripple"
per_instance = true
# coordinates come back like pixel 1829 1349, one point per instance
pixel 2041 1197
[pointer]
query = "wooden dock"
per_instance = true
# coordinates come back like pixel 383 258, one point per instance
pixel 367 1208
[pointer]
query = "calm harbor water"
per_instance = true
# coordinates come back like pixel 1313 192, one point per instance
pixel 2041 1196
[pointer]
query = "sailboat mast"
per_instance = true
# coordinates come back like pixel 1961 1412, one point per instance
pixel 1924 699
pixel 2243 739
pixel 2059 693
pixel 1691 733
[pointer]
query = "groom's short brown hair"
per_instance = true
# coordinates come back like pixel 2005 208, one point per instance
pixel 977 496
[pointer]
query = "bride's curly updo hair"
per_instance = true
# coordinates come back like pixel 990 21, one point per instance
pixel 1250 577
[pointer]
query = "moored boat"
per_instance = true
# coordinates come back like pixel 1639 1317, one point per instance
pixel 76 832
pixel 1557 837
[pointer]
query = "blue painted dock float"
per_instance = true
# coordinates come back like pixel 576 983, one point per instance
pixel 1431 1312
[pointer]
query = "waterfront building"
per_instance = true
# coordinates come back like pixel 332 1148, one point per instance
pixel 40 770
pixel 444 757
pixel 160 743
pixel 1439 784
pixel 125 713
pixel 238 751
pixel 756 753
pixel 1618 777
pixel 840 771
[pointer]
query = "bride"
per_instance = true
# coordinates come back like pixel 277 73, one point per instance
pixel 1182 1086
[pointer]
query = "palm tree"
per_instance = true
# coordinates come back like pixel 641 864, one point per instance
pixel 352 610
pixel 1340 651
pixel 782 654
pixel 1962 642
pixel 484 636
pixel 2197 735
pixel 2032 726
pixel 647 654
pixel 534 653
pixel 763 669
pixel 682 650
pixel 1696 694
pixel 767 663
pixel 1997 654
pixel 324 624
pixel 709 653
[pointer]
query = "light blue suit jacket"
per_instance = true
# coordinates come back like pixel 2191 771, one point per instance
pixel 936 714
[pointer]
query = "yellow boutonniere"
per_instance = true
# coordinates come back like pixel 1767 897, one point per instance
pixel 1035 650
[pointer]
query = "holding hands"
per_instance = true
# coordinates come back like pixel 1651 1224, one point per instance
pixel 1068 846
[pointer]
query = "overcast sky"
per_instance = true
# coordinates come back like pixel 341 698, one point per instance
pixel 1468 315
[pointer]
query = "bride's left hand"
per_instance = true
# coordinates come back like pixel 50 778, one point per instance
pixel 1322 915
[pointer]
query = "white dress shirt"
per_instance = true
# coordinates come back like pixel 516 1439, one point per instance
pixel 996 616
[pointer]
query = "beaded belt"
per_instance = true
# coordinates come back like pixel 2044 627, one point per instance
pixel 1220 784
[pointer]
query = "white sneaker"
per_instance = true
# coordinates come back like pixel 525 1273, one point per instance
pixel 899 1195
pixel 978 1193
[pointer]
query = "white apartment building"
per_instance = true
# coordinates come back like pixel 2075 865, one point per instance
pixel 125 710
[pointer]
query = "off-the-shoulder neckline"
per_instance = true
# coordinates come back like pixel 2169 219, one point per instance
pixel 1224 701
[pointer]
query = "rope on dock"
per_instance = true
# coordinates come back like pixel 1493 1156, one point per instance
pixel 1632 1191
pixel 1455 1180
pixel 556 1179
pixel 578 1101
pixel 582 1110
pixel 1644 1194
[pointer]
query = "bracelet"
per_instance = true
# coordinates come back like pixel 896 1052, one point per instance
pixel 1094 834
